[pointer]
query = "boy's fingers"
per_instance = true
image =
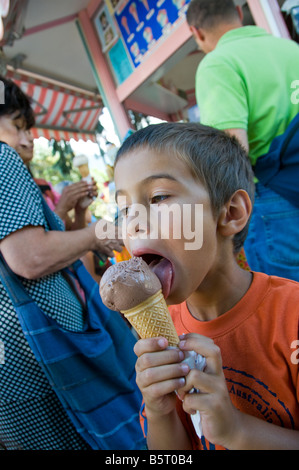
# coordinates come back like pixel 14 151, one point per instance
pixel 207 348
pixel 201 381
pixel 160 389
pixel 159 358
pixel 159 368
pixel 155 375
pixel 194 402
pixel 150 345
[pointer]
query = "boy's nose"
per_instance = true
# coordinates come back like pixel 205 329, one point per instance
pixel 137 223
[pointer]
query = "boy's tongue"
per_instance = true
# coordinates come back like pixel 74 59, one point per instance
pixel 162 268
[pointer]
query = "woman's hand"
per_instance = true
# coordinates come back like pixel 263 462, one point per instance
pixel 159 372
pixel 70 197
pixel 106 237
pixel 218 415
pixel 92 194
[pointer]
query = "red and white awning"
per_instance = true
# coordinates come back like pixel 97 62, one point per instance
pixel 61 112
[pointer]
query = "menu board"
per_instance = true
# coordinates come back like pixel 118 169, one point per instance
pixel 143 22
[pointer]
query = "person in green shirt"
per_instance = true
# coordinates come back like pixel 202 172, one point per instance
pixel 247 84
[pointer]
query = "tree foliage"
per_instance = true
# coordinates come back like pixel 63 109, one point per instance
pixel 54 162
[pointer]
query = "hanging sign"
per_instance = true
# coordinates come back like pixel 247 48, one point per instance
pixel 145 22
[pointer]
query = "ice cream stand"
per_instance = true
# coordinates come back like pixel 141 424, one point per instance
pixel 74 57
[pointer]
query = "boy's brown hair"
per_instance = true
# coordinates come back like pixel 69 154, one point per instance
pixel 216 159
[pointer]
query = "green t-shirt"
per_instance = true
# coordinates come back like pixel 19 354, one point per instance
pixel 246 83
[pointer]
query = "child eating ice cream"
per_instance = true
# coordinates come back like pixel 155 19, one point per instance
pixel 244 323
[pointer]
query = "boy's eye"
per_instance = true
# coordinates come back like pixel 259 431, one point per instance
pixel 158 198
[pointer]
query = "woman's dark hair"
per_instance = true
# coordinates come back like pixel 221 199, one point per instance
pixel 216 159
pixel 16 100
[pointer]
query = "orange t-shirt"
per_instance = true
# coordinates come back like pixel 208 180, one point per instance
pixel 258 339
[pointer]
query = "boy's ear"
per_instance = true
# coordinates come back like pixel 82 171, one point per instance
pixel 235 214
pixel 197 33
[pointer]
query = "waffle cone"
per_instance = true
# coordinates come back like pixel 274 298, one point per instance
pixel 84 170
pixel 151 318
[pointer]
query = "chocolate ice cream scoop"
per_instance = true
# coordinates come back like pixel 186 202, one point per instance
pixel 132 288
pixel 127 284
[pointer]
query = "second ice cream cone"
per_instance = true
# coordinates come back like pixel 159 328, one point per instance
pixel 151 318
pixel 84 170
pixel 81 163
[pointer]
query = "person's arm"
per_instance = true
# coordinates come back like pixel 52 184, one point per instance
pixel 28 248
pixel 159 374
pixel 255 434
pixel 221 95
pixel 167 432
pixel 32 252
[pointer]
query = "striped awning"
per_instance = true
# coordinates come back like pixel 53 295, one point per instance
pixel 61 112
